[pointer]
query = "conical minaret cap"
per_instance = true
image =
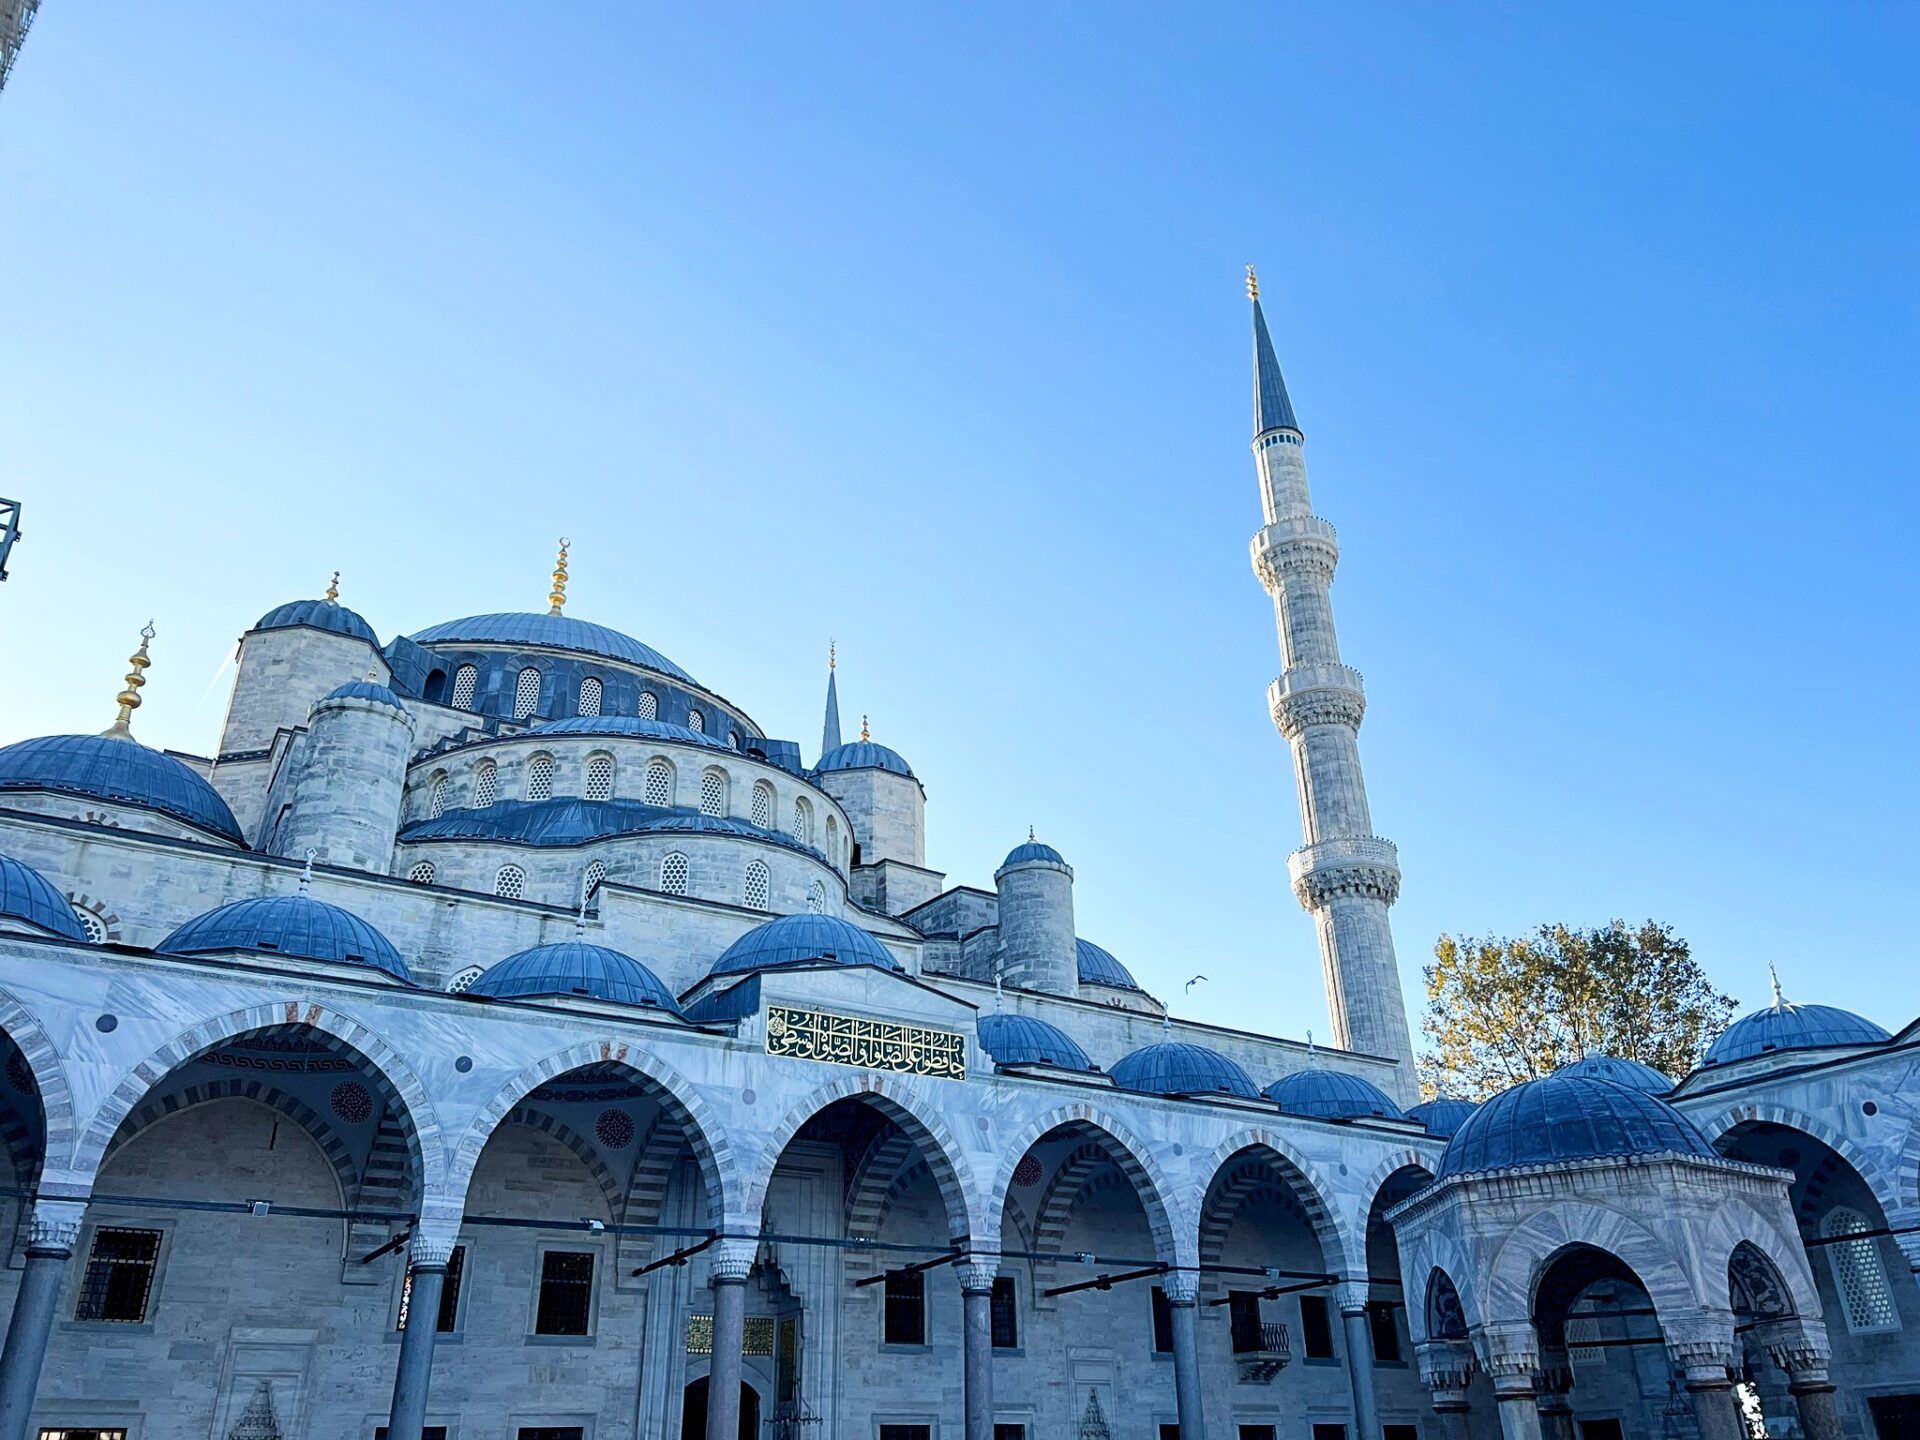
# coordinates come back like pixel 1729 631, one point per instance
pixel 1272 409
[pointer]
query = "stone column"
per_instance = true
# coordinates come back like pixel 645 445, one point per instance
pixel 1510 1354
pixel 727 1274
pixel 55 1228
pixel 1800 1348
pixel 427 1257
pixel 1351 1296
pixel 976 1298
pixel 1446 1367
pixel 1183 1294
pixel 1705 1357
pixel 1552 1385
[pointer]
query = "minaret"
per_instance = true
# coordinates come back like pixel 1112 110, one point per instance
pixel 1345 874
pixel 830 731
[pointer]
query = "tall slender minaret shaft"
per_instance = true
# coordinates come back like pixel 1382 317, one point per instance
pixel 1345 875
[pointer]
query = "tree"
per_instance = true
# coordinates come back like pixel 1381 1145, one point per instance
pixel 1501 1011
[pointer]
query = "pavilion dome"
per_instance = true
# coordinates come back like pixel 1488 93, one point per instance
pixel 526 630
pixel 1568 1117
pixel 120 772
pixel 1098 967
pixel 28 897
pixel 329 615
pixel 1630 1073
pixel 370 690
pixel 1031 850
pixel 1023 1040
pixel 1784 1025
pixel 1443 1115
pixel 1332 1095
pixel 293 925
pixel 863 755
pixel 574 967
pixel 1175 1068
pixel 801 939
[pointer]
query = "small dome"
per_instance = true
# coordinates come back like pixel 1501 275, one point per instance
pixel 1786 1026
pixel 28 896
pixel 798 939
pixel 295 925
pixel 1630 1073
pixel 1443 1115
pixel 1098 967
pixel 575 968
pixel 626 725
pixel 1023 1040
pixel 1568 1117
pixel 862 755
pixel 121 772
pixel 1172 1068
pixel 1033 850
pixel 1332 1095
pixel 525 630
pixel 318 615
pixel 365 690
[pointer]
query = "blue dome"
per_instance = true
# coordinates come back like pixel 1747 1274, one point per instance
pixel 366 690
pixel 1034 850
pixel 319 615
pixel 295 925
pixel 1172 1068
pixel 574 967
pixel 26 894
pixel 1023 1040
pixel 862 755
pixel 1097 967
pixel 525 630
pixel 1443 1116
pixel 1568 1117
pixel 122 772
pixel 548 823
pixel 1786 1026
pixel 626 725
pixel 797 939
pixel 1630 1073
pixel 1332 1095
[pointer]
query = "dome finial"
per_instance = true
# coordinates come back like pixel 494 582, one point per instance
pixel 999 994
pixel 1253 284
pixel 306 871
pixel 1780 1001
pixel 557 600
pixel 1310 1050
pixel 1031 837
pixel 865 733
pixel 129 698
pixel 332 597
pixel 833 653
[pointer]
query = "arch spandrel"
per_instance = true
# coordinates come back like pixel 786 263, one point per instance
pixel 1175 1231
pixel 1736 1223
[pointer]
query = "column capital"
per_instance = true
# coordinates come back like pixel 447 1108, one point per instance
pixel 436 1231
pixel 1510 1355
pixel 1800 1348
pixel 1182 1286
pixel 1703 1346
pixel 55 1227
pixel 1555 1376
pixel 977 1273
pixel 1446 1368
pixel 732 1260
pixel 1351 1296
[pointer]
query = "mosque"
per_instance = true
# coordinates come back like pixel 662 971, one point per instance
pixel 499 1036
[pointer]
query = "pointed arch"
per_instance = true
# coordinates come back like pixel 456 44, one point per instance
pixel 583 1150
pixel 162 1102
pixel 1309 1187
pixel 1523 1258
pixel 1172 1235
pixel 1887 1188
pixel 43 1061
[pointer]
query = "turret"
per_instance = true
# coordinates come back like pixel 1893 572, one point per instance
pixel 1037 947
pixel 293 655
pixel 349 778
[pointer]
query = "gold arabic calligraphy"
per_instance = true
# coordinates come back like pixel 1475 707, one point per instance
pixel 866 1044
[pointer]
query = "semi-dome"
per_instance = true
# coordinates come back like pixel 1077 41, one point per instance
pixel 1443 1115
pixel 572 821
pixel 1023 1040
pixel 631 725
pixel 1332 1095
pixel 1174 1068
pixel 371 690
pixel 1784 1025
pixel 1030 850
pixel 526 630
pixel 800 939
pixel 294 925
pixel 862 755
pixel 121 772
pixel 574 967
pixel 28 897
pixel 328 615
pixel 1098 967
pixel 1568 1117
pixel 1630 1073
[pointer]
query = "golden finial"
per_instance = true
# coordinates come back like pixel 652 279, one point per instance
pixel 558 598
pixel 1253 284
pixel 864 733
pixel 333 589
pixel 122 727
pixel 833 654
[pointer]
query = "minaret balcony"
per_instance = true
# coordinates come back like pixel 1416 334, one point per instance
pixel 1294 543
pixel 1318 694
pixel 1345 865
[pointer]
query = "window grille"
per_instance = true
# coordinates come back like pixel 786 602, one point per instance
pixel 649 706
pixel 486 785
pixel 460 983
pixel 906 1308
pixel 449 1293
pixel 696 722
pixel 540 777
pixel 673 874
pixel 599 777
pixel 1858 1274
pixel 816 897
pixel 566 1293
pixel 526 694
pixel 437 797
pixel 465 680
pixel 763 805
pixel 759 883
pixel 591 695
pixel 510 882
pixel 91 923
pixel 733 740
pixel 713 793
pixel 119 1276
pixel 658 789
pixel 802 821
pixel 421 874
pixel 590 882
pixel 1004 1311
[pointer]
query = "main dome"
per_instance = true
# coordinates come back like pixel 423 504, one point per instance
pixel 574 967
pixel 293 925
pixel 798 939
pixel 630 725
pixel 1568 1117
pixel 1630 1073
pixel 1098 967
pixel 27 895
pixel 1023 1040
pixel 1332 1095
pixel 318 615
pixel 1786 1026
pixel 527 630
pixel 121 772
pixel 1174 1068
pixel 570 821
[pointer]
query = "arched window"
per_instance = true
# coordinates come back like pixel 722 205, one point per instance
pixel 733 739
pixel 435 690
pixel 696 722
pixel 1858 1274
pixel 591 693
pixel 486 784
pixel 658 789
pixel 816 897
pixel 802 820
pixel 509 882
pixel 599 777
pixel 763 805
pixel 833 842
pixel 526 693
pixel 437 796
pixel 759 884
pixel 91 923
pixel 590 881
pixel 673 874
pixel 459 983
pixel 421 874
pixel 713 793
pixel 649 706
pixel 540 777
pixel 465 680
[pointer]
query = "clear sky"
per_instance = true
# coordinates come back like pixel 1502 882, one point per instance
pixel 922 326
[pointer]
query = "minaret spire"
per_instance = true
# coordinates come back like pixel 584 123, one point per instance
pixel 1345 875
pixel 830 731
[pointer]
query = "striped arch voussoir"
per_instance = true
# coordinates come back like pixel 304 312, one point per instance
pixel 583 1149
pixel 1302 1178
pixel 1889 1190
pixel 1156 1194
pixel 162 1102
pixel 49 1078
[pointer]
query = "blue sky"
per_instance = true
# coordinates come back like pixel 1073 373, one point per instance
pixel 923 327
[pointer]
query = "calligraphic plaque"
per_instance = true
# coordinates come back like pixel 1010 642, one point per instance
pixel 866 1044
